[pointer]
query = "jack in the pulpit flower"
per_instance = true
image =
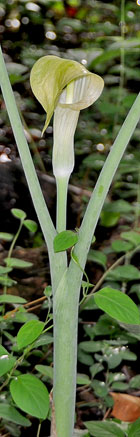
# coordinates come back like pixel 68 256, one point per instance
pixel 64 87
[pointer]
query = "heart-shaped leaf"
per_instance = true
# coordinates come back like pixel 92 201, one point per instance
pixel 31 395
pixel 29 332
pixel 118 305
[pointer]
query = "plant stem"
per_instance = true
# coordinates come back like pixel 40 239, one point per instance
pixel 39 429
pixel 137 210
pixel 11 250
pixel 15 239
pixel 57 261
pixel 65 356
pixel 66 299
pixel 62 188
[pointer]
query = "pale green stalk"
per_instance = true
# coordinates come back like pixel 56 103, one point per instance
pixel 57 261
pixel 63 156
pixel 67 296
pixel 62 189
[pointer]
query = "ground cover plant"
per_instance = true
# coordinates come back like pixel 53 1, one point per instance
pixel 118 278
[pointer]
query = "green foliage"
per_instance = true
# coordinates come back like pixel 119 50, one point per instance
pixel 17 263
pixel 18 213
pixel 64 240
pixel 131 236
pixel 45 370
pixel 121 246
pixel 109 218
pixel 8 298
pixel 117 305
pixel 106 428
pixel 30 225
pixel 6 236
pixel 31 395
pixel 134 430
pixel 97 257
pixel 29 333
pixel 7 362
pixel 11 414
pixel 124 273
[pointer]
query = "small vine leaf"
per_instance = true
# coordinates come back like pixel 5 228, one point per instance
pixel 64 240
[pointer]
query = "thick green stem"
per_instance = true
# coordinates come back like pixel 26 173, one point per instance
pixel 67 296
pixel 57 261
pixel 65 356
pixel 62 188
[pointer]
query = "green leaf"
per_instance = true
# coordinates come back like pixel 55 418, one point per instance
pixel 121 246
pixel 97 257
pixel 6 236
pixel 64 240
pixel 128 355
pixel 96 368
pixel 29 332
pixel 114 360
pixel 5 280
pixel 30 225
pixel 100 388
pixel 124 273
pixel 18 213
pixel 109 218
pixel 16 68
pixel 43 340
pixel 120 206
pixel 117 305
pixel 134 430
pixel 120 386
pixel 131 236
pixel 133 329
pixel 17 263
pixel 31 395
pixel 4 270
pixel 104 429
pixel 83 379
pixel 94 161
pixel 85 358
pixel 8 298
pixel 11 414
pixel 7 362
pixel 45 370
pixel 90 346
pixel 47 87
pixel 3 351
pixel 135 382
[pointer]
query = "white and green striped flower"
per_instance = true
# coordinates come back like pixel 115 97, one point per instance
pixel 64 87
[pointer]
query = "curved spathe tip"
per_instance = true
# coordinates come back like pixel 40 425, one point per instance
pixel 50 75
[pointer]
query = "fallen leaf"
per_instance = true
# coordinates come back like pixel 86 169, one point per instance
pixel 126 407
